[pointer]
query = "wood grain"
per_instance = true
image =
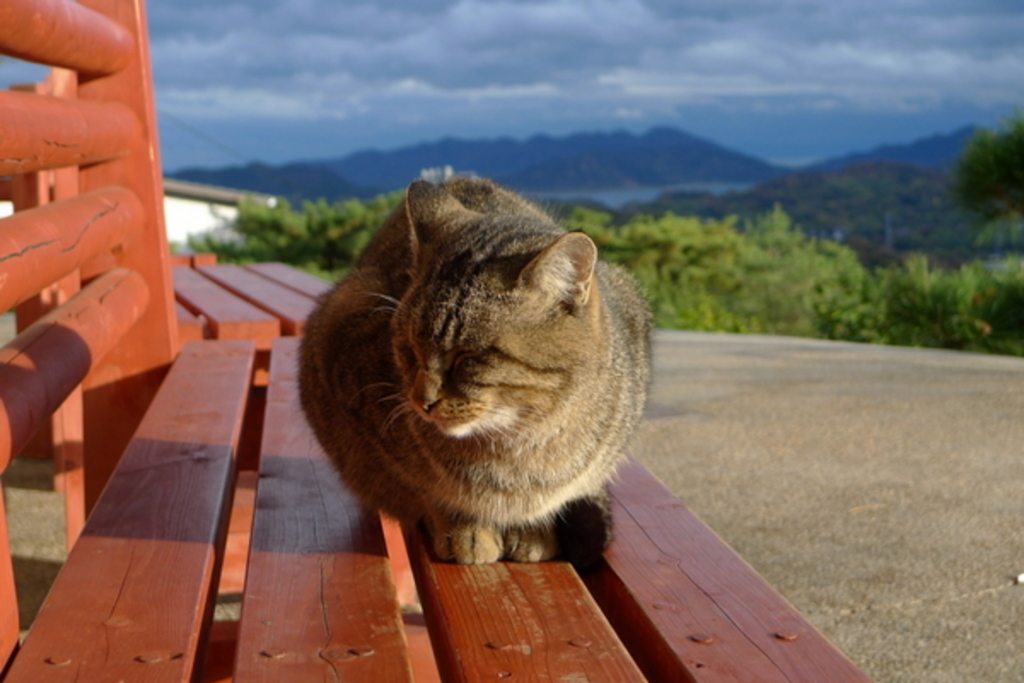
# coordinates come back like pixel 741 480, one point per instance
pixel 41 245
pixel 134 599
pixel 689 608
pixel 319 601
pixel 88 132
pixel 303 283
pixel 521 622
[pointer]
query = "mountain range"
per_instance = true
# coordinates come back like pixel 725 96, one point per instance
pixel 583 161
pixel 935 151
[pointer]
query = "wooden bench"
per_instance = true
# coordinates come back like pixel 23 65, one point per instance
pixel 166 392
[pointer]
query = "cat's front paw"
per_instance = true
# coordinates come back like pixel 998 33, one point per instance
pixel 466 543
pixel 474 543
pixel 530 544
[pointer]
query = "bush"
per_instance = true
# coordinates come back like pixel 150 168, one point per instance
pixel 973 308
pixel 323 238
pixel 711 274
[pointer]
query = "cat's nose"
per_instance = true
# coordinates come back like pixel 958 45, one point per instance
pixel 429 405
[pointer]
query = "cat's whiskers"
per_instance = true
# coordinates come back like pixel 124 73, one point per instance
pixel 401 409
pixel 395 304
pixel 397 396
pixel 363 390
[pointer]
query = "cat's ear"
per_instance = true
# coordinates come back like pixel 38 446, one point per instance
pixel 430 210
pixel 564 271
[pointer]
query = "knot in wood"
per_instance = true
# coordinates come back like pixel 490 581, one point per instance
pixel 702 639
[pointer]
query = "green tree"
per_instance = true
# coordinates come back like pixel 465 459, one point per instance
pixel 989 178
pixel 711 275
pixel 322 238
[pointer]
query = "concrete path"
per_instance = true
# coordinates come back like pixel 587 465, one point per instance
pixel 880 489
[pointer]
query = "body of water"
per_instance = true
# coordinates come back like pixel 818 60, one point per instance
pixel 617 198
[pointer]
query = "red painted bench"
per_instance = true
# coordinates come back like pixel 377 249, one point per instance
pixel 210 539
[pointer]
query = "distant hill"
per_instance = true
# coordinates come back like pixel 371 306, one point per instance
pixel 935 151
pixel 881 208
pixel 584 161
pixel 662 156
pixel 296 181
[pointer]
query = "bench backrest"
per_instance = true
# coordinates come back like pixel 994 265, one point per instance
pixel 84 258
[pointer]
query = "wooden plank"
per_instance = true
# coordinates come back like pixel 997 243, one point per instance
pixel 689 608
pixel 67 423
pixel 319 601
pixel 516 621
pixel 284 303
pixel 44 244
pixel 61 440
pixel 72 36
pixel 118 391
pixel 228 316
pixel 304 283
pixel 8 596
pixel 135 597
pixel 81 132
pixel 44 364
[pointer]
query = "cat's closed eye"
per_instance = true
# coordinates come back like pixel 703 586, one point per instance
pixel 465 360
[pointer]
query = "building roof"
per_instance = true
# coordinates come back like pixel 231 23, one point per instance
pixel 185 189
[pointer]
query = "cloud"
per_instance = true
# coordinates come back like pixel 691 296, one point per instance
pixel 510 65
pixel 629 53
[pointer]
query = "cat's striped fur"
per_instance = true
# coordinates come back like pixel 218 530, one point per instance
pixel 481 370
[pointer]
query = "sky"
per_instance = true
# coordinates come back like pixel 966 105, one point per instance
pixel 786 80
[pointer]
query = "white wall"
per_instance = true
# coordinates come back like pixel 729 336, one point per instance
pixel 190 217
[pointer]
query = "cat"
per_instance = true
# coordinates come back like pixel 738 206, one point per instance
pixel 480 370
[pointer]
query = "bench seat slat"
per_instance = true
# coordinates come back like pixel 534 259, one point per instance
pixel 689 607
pixel 284 303
pixel 228 316
pixel 284 274
pixel 319 600
pixel 136 593
pixel 515 621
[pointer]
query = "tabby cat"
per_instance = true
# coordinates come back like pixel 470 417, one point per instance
pixel 480 370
